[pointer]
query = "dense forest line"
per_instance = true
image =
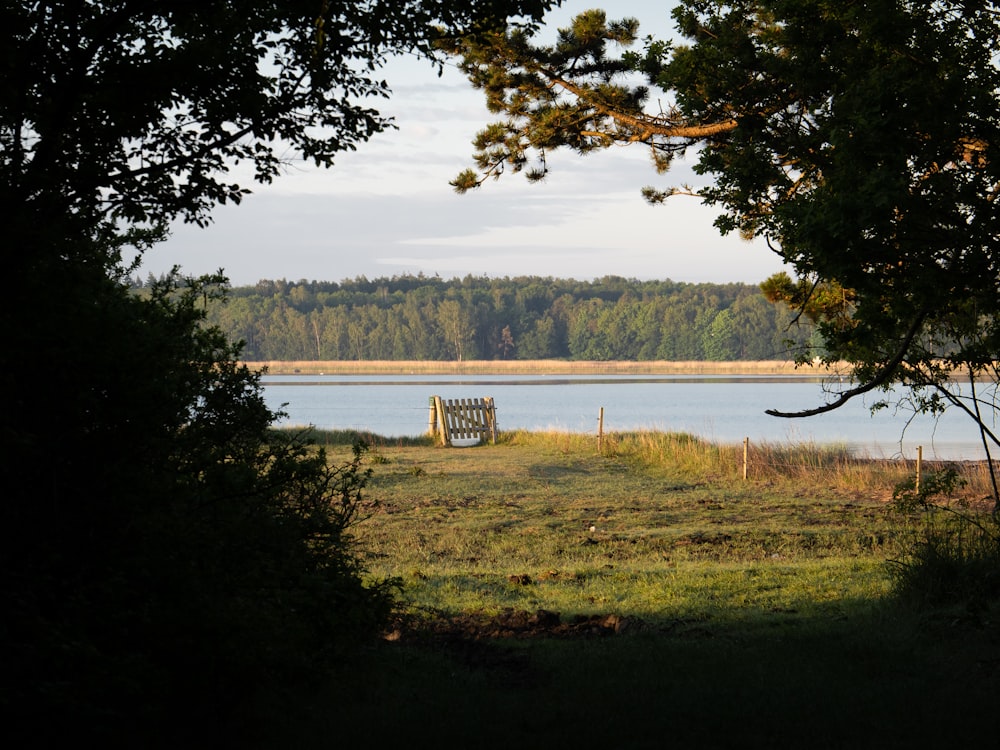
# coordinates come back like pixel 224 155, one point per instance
pixel 428 318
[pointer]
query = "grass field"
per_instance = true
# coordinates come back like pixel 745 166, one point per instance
pixel 648 596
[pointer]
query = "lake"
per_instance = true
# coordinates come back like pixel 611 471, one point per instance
pixel 722 408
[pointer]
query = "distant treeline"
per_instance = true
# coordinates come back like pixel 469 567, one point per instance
pixel 527 317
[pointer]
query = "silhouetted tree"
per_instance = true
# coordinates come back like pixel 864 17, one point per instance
pixel 166 559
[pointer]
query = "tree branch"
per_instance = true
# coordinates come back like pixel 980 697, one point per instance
pixel 956 401
pixel 871 385
pixel 648 124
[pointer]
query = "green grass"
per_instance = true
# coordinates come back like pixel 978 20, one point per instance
pixel 762 610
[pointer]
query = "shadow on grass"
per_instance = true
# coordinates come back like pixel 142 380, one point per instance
pixel 882 676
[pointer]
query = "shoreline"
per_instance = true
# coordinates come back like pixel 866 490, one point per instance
pixel 534 367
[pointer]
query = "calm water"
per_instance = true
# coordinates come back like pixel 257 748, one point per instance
pixel 724 409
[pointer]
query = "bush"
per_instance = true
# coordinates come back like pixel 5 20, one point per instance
pixel 956 558
pixel 170 559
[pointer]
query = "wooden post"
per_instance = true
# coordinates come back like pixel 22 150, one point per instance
pixel 920 461
pixel 600 430
pixel 746 456
pixel 491 418
pixel 432 417
pixel 442 421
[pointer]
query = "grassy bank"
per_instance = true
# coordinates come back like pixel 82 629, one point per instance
pixel 646 596
pixel 532 367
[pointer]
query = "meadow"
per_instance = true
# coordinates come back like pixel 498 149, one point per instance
pixel 646 594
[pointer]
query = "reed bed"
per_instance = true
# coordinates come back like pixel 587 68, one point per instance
pixel 534 367
pixel 834 468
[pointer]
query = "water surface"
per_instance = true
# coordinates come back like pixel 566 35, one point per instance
pixel 722 408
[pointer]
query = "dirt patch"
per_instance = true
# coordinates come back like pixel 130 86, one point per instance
pixel 473 639
pixel 511 623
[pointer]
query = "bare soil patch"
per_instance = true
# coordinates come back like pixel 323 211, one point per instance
pixel 509 623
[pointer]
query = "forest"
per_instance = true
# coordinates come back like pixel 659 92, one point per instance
pixel 418 317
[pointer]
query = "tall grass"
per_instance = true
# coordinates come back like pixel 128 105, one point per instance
pixel 956 560
pixel 835 468
pixel 832 467
pixel 349 437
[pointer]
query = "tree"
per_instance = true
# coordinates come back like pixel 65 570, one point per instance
pixel 506 345
pixel 164 555
pixel 455 324
pixel 858 139
pixel 209 85
pixel 720 340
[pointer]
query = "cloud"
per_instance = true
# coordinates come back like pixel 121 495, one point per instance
pixel 513 233
pixel 388 208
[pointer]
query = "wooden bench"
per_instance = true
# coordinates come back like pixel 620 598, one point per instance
pixel 463 421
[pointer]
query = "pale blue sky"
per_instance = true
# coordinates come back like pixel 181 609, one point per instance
pixel 388 209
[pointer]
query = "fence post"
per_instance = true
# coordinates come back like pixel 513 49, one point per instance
pixel 920 462
pixel 600 430
pixel 746 457
pixel 442 421
pixel 432 417
pixel 491 418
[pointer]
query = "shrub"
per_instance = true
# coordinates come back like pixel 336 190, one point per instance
pixel 956 558
pixel 171 560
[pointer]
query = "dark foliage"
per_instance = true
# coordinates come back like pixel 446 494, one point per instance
pixel 168 559
pixel 169 564
pixel 955 560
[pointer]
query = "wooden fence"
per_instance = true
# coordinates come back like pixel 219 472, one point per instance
pixel 463 421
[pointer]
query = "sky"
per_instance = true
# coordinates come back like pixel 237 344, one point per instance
pixel 388 210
